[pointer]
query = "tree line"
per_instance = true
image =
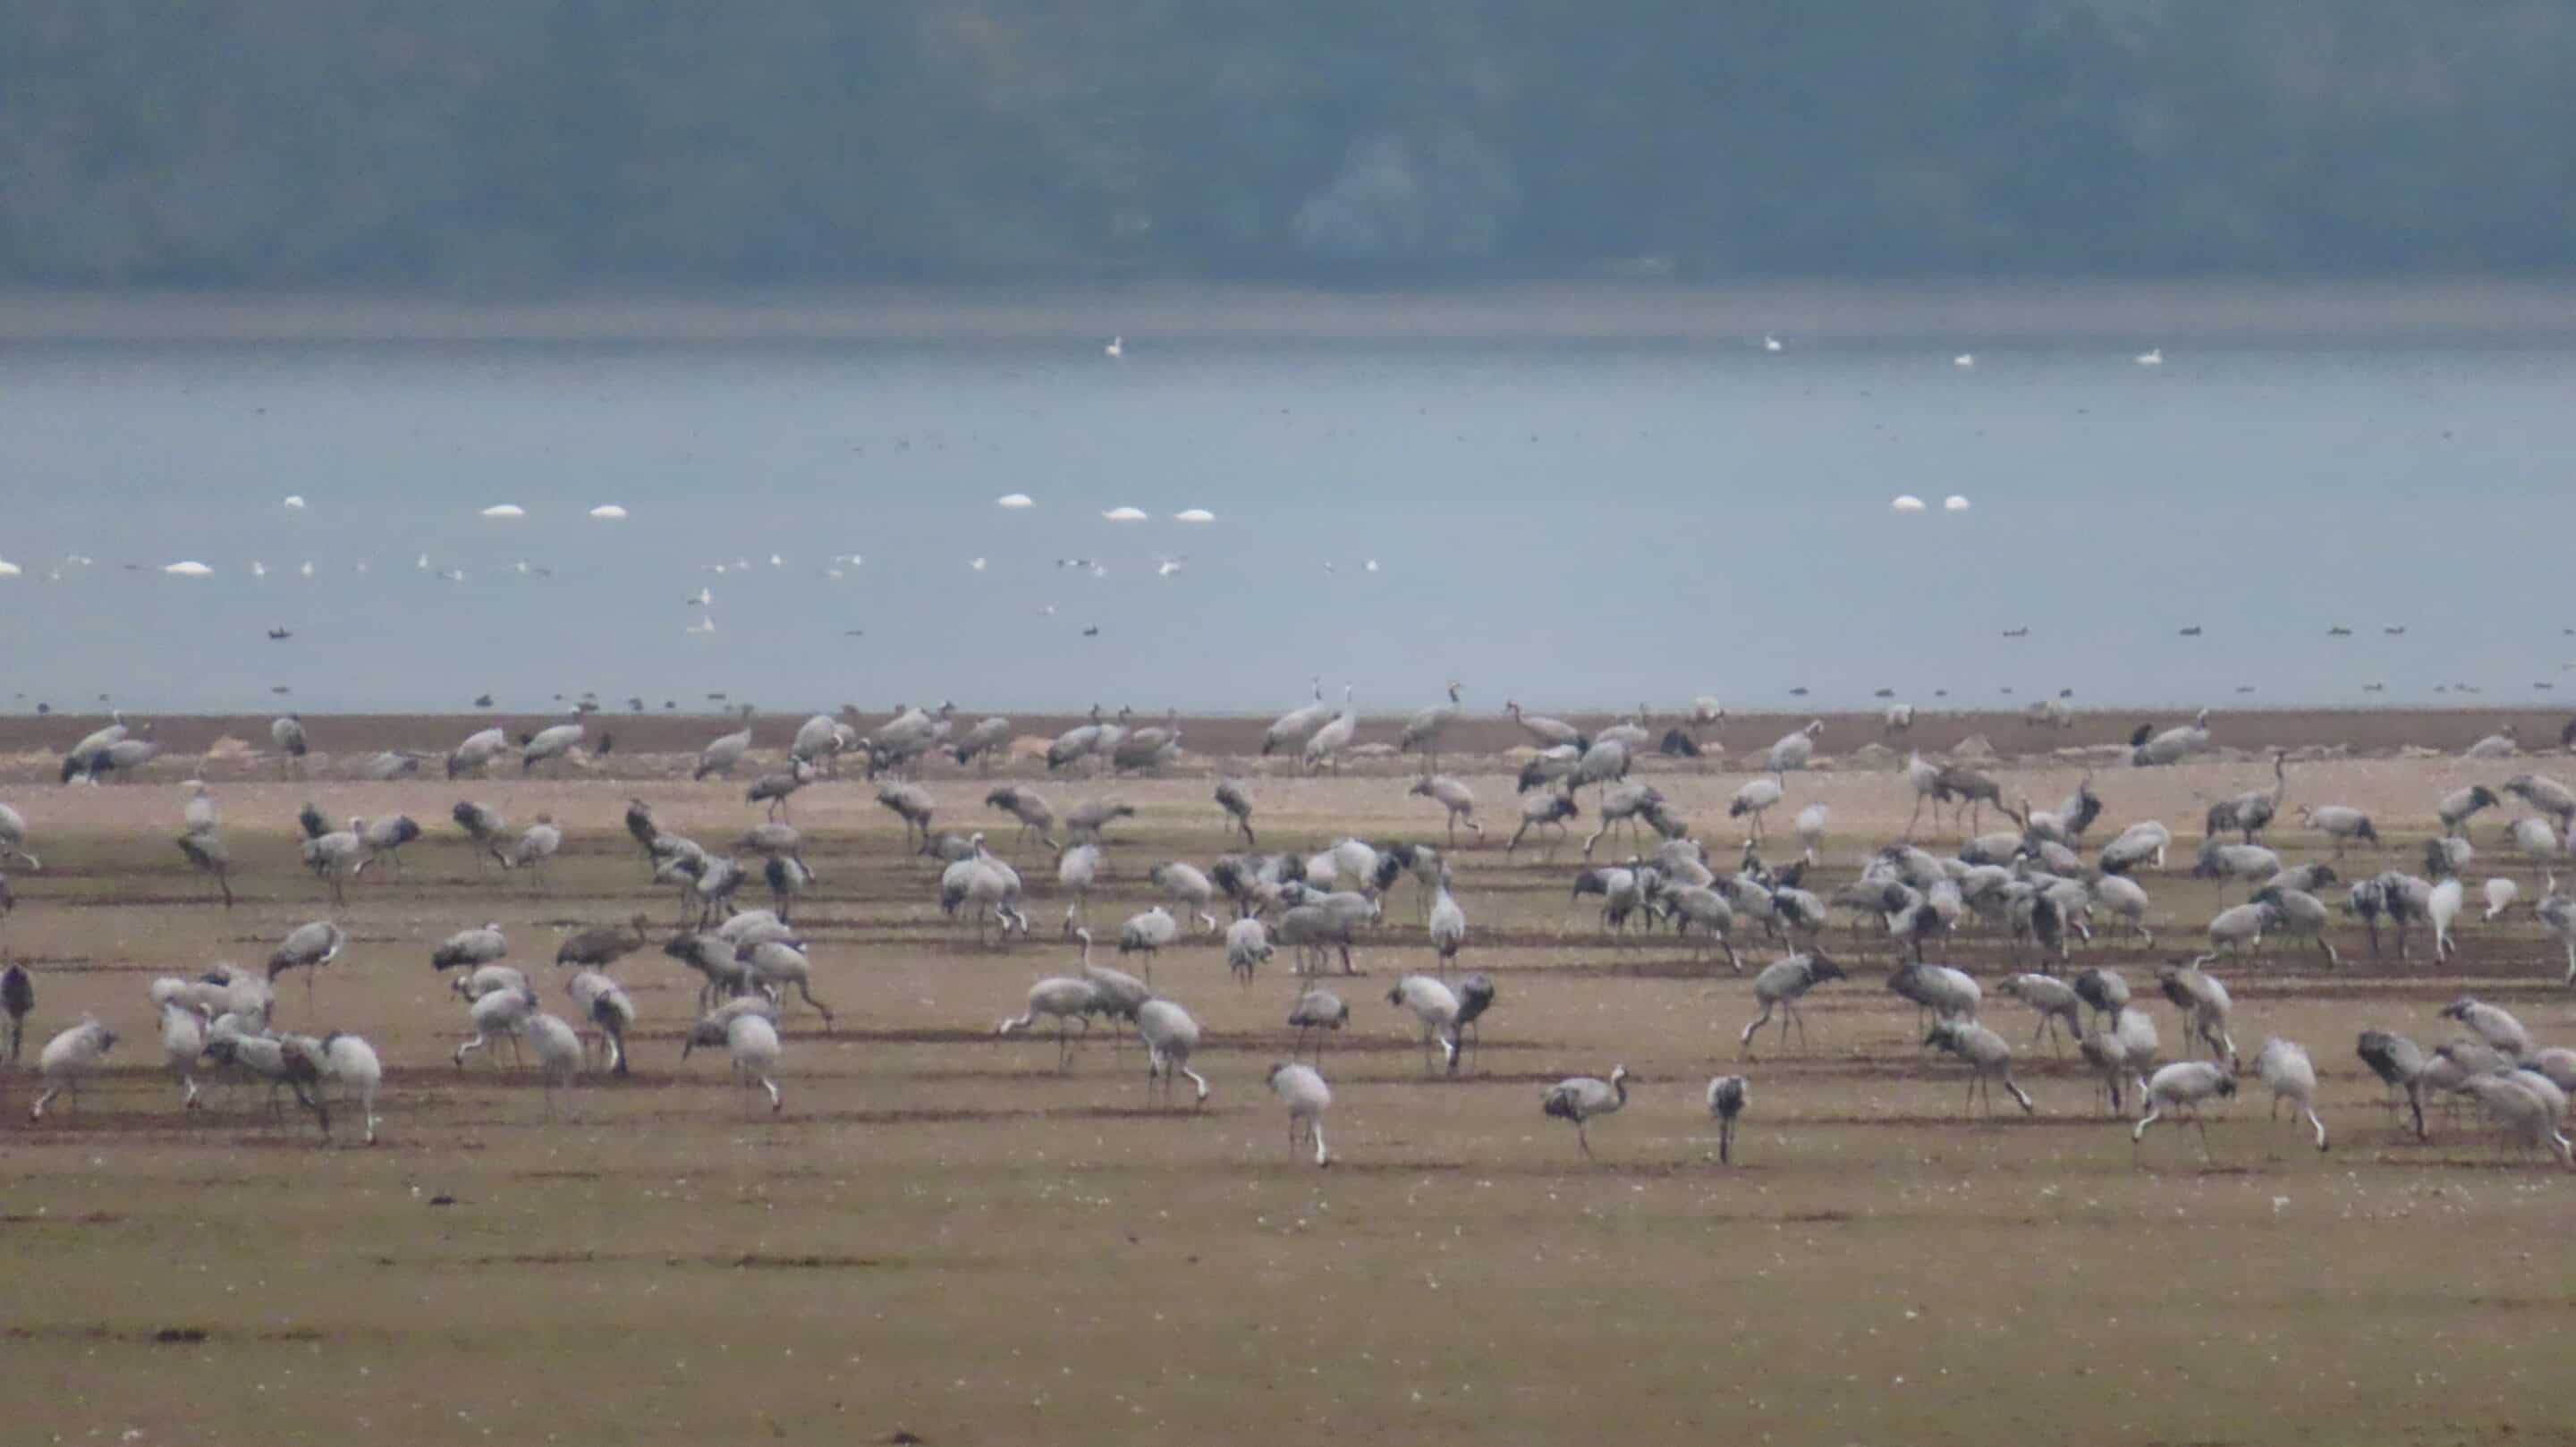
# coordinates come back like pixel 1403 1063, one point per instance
pixel 554 143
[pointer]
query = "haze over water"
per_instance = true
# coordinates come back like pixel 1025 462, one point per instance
pixel 1575 523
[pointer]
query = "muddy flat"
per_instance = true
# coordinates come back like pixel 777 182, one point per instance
pixel 944 1234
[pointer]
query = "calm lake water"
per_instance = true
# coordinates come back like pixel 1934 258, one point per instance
pixel 1572 523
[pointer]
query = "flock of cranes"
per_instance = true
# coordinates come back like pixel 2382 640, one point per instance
pixel 2030 888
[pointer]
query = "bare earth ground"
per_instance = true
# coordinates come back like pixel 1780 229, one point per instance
pixel 31 746
pixel 943 1235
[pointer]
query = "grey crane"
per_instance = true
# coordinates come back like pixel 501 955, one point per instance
pixel 2239 928
pixel 1781 985
pixel 1317 1012
pixel 1624 804
pixel 1810 825
pixel 2547 795
pixel 819 741
pixel 1970 791
pixel 911 803
pixel 722 753
pixel 1035 814
pixel 1294 727
pixel 2341 823
pixel 1453 796
pixel 485 827
pixel 2105 991
pixel 2149 749
pixel 1793 750
pixel 1947 993
pixel 787 877
pixel 1188 887
pixel 606 1005
pixel 773 789
pixel 13 838
pixel 2491 1023
pixel 2125 1051
pixel 776 966
pixel 1543 811
pixel 471 948
pixel 2295 911
pixel 68 1057
pixel 1755 799
pixel 2558 912
pixel 1303 1091
pixel 1092 816
pixel 1550 732
pixel 1327 742
pixel 1075 870
pixel 1475 996
pixel 478 750
pixel 2204 1004
pixel 1247 947
pixel 1605 763
pixel 1074 744
pixel 2140 843
pixel 1727 1096
pixel 1924 777
pixel 1988 1057
pixel 600 946
pixel 2180 1089
pixel 1237 804
pixel 716 960
pixel 986 741
pixel 2457 807
pixel 1435 1007
pixel 208 855
pixel 383 839
pixel 1170 1037
pixel 2285 1070
pixel 287 734
pixel 17 1001
pixel 1064 999
pixel 336 855
pixel 1448 924
pixel 307 947
pixel 2053 999
pixel 765 839
pixel 1706 712
pixel 1548 766
pixel 1147 934
pixel 1147 748
pixel 2504 743
pixel 386 765
pixel 535 845
pixel 1425 730
pixel 556 743
pixel 2250 812
pixel 1582 1098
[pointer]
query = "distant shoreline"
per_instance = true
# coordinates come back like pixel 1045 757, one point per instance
pixel 1741 736
pixel 2213 311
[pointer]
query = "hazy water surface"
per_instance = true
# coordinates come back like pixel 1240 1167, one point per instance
pixel 1574 523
